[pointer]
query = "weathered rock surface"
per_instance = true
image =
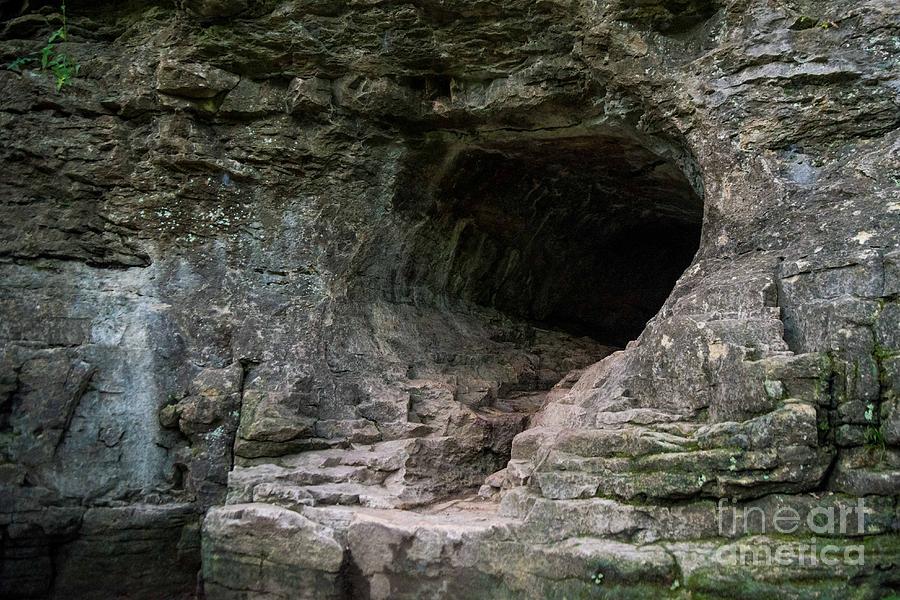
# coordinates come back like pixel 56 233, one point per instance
pixel 310 268
pixel 290 555
pixel 135 551
pixel 466 550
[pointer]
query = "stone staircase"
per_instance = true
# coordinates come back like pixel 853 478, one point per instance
pixel 406 472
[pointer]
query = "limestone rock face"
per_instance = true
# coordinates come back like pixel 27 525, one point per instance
pixel 292 556
pixel 448 299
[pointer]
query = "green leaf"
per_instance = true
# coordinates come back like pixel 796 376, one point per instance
pixel 59 34
pixel 46 54
pixel 20 62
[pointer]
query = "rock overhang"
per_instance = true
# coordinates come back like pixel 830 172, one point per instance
pixel 585 227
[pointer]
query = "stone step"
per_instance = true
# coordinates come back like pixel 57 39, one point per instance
pixel 243 481
pixel 350 493
pixel 524 402
pixel 382 456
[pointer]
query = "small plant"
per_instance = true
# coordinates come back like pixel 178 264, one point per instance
pixel 808 22
pixel 733 464
pixel 597 578
pixel 874 438
pixel 870 412
pixel 675 585
pixel 50 58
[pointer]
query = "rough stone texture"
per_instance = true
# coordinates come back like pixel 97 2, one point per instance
pixel 466 550
pixel 291 556
pixel 326 264
pixel 135 551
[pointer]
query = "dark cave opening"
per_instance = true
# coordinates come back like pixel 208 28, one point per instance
pixel 584 234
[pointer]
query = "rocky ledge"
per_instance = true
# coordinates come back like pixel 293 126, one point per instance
pixel 586 549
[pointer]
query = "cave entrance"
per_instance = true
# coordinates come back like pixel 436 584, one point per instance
pixel 584 234
pixel 501 270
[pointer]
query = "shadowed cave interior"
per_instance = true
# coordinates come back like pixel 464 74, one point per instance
pixel 584 234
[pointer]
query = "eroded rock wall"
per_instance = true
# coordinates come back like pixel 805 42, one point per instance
pixel 228 277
